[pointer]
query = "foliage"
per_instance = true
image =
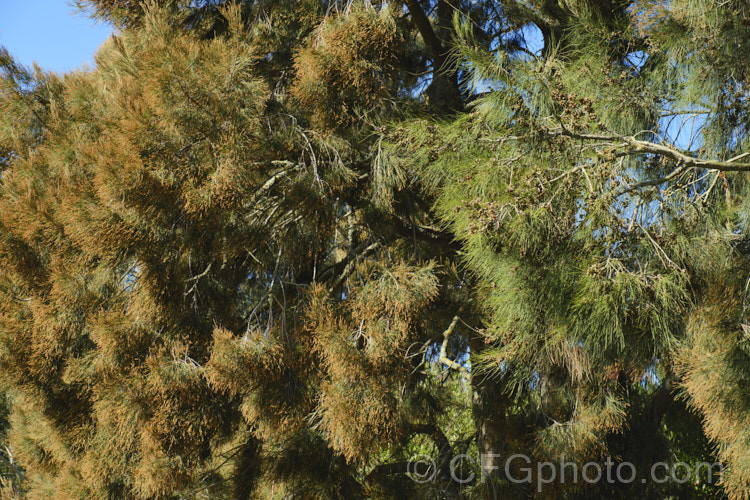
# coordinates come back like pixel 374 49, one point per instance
pixel 282 249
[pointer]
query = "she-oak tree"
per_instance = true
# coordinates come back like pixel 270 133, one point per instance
pixel 280 249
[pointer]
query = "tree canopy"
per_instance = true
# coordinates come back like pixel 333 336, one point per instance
pixel 295 249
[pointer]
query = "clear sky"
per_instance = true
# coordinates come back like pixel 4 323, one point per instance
pixel 50 32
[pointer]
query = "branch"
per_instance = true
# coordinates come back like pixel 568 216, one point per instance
pixel 647 147
pixel 445 456
pixel 683 159
pixel 654 182
pixel 379 472
pixel 428 34
pixel 199 276
pixel 349 269
pixel 288 167
pixel 659 249
pixel 444 348
pixel 445 450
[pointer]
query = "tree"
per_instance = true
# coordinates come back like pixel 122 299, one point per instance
pixel 283 248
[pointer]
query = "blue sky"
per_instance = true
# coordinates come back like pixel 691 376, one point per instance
pixel 50 32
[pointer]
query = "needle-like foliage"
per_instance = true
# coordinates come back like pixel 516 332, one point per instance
pixel 372 249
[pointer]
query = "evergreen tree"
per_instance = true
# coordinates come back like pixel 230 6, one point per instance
pixel 272 249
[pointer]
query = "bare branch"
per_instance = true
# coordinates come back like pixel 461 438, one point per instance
pixel 648 147
pixel 444 348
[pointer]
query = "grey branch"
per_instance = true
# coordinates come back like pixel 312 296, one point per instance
pixel 444 348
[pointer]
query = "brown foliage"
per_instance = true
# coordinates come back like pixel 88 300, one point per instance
pixel 347 67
